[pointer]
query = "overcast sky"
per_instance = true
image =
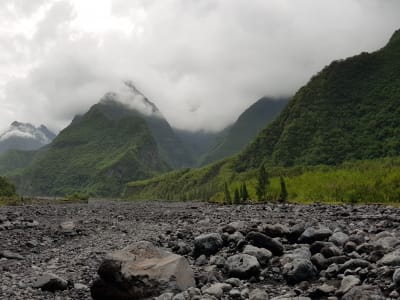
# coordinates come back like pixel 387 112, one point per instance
pixel 202 62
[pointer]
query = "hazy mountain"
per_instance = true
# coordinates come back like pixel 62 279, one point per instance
pixel 246 127
pixel 122 138
pixel 199 143
pixel 348 111
pixel 24 136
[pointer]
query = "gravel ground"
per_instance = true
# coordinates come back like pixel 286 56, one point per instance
pixel 32 242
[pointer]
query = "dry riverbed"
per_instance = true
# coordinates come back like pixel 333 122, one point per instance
pixel 313 251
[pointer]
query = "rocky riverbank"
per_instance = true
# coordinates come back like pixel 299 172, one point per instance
pixel 235 252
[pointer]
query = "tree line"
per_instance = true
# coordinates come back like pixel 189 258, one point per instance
pixel 241 195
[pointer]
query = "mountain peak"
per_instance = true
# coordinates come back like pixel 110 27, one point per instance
pixel 24 136
pixel 128 95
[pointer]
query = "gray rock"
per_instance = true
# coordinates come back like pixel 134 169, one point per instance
pixel 67 227
pixel 322 291
pixel 391 259
pixel 234 282
pixel 50 282
pixel 388 242
pixel 235 294
pixel 217 289
pixel 364 292
pixel 339 238
pixel 165 296
pixel 258 294
pixel 201 260
pixel 207 244
pixel 299 270
pixel 276 230
pixel 261 240
pixel 348 282
pixel 235 237
pixel 11 255
pixel 311 235
pixel 354 264
pixel 396 277
pixel 141 270
pixel 263 255
pixel 242 266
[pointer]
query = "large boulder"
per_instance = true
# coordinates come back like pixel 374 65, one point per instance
pixel 242 266
pixel 207 244
pixel 263 241
pixel 139 271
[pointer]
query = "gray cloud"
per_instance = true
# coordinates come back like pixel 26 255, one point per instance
pixel 200 62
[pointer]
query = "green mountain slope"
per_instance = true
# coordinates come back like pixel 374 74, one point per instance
pixel 246 128
pixel 15 160
pixel 349 111
pixel 98 153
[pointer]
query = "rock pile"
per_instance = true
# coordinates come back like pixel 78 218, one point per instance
pixel 199 251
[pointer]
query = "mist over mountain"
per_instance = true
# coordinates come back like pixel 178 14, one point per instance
pixel 348 112
pixel 246 128
pixel 121 138
pixel 24 136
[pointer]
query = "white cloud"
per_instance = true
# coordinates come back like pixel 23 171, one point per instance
pixel 200 62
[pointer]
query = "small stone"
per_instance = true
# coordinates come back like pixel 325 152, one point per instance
pixel 50 282
pixel 79 286
pixel 242 266
pixel 396 277
pixel 311 235
pixel 364 292
pixel 263 255
pixel 299 270
pixel 11 255
pixel 261 240
pixel 348 282
pixel 201 260
pixel 234 282
pixel 258 294
pixel 207 244
pixel 165 296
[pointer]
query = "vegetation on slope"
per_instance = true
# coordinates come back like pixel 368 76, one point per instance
pixel 7 189
pixel 14 161
pixel 366 181
pixel 246 128
pixel 97 154
pixel 328 142
pixel 349 111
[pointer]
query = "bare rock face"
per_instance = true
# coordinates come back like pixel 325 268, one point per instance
pixel 139 271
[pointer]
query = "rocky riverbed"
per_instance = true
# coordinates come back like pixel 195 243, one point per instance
pixel 236 252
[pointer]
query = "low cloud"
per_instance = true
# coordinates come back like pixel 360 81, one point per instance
pixel 200 62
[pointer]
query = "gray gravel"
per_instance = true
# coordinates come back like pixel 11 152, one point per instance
pixel 70 242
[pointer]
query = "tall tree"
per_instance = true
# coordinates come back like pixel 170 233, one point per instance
pixel 262 183
pixel 245 193
pixel 236 197
pixel 227 194
pixel 284 193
